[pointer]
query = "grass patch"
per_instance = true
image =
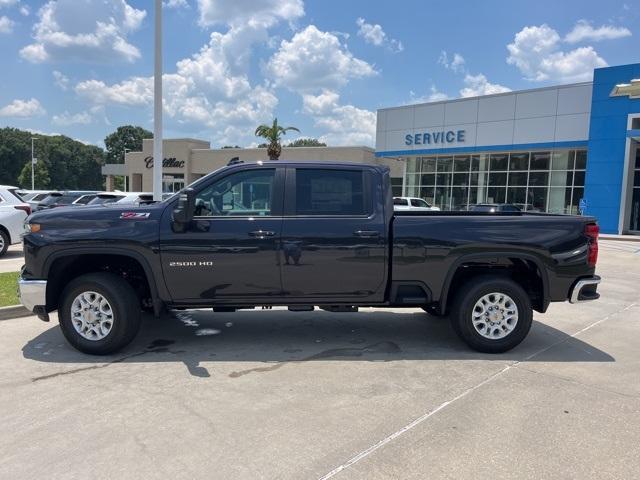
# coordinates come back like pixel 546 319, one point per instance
pixel 9 289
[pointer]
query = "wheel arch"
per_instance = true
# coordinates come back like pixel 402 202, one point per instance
pixel 501 264
pixel 87 260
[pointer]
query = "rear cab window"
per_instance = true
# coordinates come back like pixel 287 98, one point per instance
pixel 400 201
pixel 330 192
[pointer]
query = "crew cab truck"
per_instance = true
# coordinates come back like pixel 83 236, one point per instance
pixel 301 235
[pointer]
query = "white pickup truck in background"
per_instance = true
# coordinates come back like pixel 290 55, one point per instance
pixel 412 203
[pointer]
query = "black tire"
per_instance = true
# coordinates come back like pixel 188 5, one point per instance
pixel 463 307
pixel 6 241
pixel 125 307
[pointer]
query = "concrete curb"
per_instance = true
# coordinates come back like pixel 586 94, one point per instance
pixel 620 238
pixel 14 311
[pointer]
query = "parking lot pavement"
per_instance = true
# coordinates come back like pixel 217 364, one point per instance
pixel 13 259
pixel 378 394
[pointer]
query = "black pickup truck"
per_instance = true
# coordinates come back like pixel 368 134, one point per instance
pixel 301 235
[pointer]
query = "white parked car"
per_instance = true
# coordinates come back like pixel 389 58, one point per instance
pixel 129 198
pixel 412 203
pixel 13 213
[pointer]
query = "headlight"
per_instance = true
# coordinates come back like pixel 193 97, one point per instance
pixel 31 227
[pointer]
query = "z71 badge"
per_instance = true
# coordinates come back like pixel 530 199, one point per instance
pixel 135 215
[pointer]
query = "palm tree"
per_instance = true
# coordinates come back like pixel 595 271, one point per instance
pixel 273 134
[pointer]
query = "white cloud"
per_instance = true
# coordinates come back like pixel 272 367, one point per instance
pixel 176 4
pixel 136 91
pixel 583 30
pixel 375 35
pixel 60 79
pixel 8 3
pixel 210 90
pixel 66 119
pixel 23 109
pixel 456 64
pixel 6 24
pixel 536 52
pixel 253 13
pixel 477 85
pixel 25 11
pixel 435 95
pixel 342 124
pixel 93 31
pixel 314 60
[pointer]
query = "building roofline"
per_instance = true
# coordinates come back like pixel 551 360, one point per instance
pixel 351 147
pixel 502 94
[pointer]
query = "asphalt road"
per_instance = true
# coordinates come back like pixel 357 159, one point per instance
pixel 373 395
pixel 13 259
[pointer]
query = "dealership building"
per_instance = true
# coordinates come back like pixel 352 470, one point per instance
pixel 562 149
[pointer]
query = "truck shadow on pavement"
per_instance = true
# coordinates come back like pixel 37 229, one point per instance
pixel 278 338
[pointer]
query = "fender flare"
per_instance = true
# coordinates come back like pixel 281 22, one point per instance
pixel 480 256
pixel 146 267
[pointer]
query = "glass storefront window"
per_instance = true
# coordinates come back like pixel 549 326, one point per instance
pixel 519 161
pixel 542 181
pixel 462 163
pixel 563 160
pixel 518 179
pixel 428 164
pixel 540 160
pixel 499 161
pixel 445 164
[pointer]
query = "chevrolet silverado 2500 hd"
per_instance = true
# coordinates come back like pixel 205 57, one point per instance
pixel 301 234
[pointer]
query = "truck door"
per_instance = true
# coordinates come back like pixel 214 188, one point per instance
pixel 333 239
pixel 229 252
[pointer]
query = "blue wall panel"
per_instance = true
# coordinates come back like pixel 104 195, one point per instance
pixel 607 144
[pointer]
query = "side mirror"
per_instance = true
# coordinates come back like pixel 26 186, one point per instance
pixel 183 213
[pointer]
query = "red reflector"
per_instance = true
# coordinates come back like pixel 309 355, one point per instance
pixel 24 208
pixel 592 231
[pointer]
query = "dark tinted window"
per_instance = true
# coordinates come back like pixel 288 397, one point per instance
pixel 416 202
pixel 400 201
pixel 329 192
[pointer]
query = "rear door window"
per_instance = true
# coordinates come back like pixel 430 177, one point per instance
pixel 400 201
pixel 328 192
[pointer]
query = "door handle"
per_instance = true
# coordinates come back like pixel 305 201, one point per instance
pixel 366 233
pixel 261 233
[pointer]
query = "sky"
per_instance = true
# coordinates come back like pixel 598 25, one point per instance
pixel 83 67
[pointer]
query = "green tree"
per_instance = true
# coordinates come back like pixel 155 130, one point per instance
pixel 40 175
pixel 273 134
pixel 70 164
pixel 306 142
pixel 126 136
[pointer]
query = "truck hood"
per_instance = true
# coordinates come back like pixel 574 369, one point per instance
pixel 94 219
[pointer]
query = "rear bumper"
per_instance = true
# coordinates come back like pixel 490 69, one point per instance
pixel 32 293
pixel 585 290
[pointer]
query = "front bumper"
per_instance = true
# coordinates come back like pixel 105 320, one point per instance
pixel 32 293
pixel 585 290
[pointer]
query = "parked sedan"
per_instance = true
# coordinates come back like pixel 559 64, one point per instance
pixel 131 198
pixel 412 203
pixel 61 199
pixel 13 213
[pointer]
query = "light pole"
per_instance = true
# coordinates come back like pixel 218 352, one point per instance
pixel 124 162
pixel 157 106
pixel 33 165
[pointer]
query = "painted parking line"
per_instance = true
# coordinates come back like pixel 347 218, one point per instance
pixel 365 453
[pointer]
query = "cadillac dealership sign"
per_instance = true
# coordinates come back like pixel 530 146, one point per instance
pixel 435 137
pixel 166 163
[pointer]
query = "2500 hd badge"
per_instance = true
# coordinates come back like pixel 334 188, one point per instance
pixel 202 263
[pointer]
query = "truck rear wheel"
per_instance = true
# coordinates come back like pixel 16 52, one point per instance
pixel 99 313
pixel 491 314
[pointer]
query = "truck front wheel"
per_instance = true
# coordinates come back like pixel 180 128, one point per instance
pixel 99 313
pixel 491 314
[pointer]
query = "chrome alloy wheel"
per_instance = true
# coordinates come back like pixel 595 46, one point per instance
pixel 495 316
pixel 1 243
pixel 91 315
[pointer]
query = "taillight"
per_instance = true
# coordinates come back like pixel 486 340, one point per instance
pixel 24 208
pixel 592 230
